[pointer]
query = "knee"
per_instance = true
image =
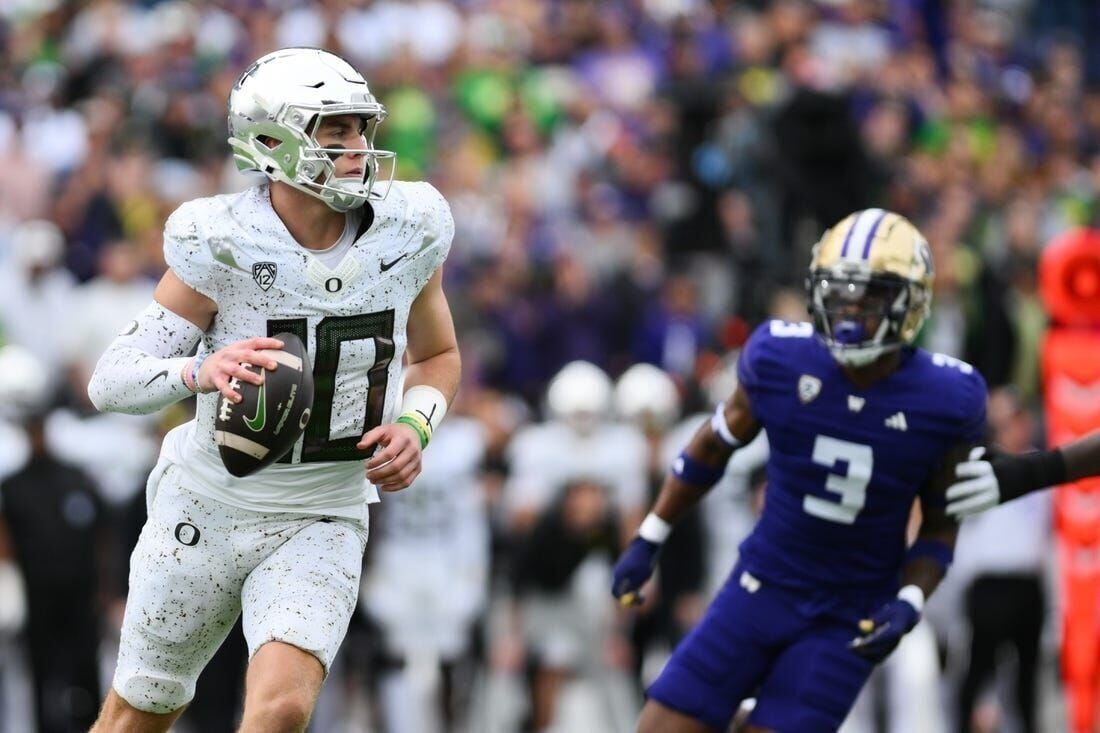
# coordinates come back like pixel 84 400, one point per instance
pixel 286 712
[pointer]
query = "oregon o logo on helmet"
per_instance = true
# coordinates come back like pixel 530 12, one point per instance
pixel 187 534
pixel 333 284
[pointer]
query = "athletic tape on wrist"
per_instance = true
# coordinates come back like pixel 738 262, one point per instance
pixel 654 529
pixel 914 596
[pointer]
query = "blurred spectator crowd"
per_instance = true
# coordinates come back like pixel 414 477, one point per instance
pixel 633 182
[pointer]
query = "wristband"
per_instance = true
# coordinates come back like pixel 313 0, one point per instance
pixel 934 550
pixel 191 371
pixel 696 473
pixel 654 529
pixel 721 428
pixel 413 420
pixel 914 596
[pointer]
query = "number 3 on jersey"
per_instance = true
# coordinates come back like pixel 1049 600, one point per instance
pixel 851 485
pixel 332 332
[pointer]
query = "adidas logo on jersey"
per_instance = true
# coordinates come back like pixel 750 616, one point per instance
pixel 855 404
pixel 897 422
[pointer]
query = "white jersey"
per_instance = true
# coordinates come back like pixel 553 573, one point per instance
pixel 235 250
pixel 545 457
pixel 430 538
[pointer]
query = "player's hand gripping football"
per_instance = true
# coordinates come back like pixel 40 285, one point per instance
pixel 219 369
pixel 883 631
pixel 977 488
pixel 632 570
pixel 396 462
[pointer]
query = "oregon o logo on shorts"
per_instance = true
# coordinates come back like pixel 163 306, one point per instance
pixel 187 534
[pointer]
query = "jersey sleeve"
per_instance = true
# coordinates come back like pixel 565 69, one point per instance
pixel 435 227
pixel 187 252
pixel 971 401
pixel 748 363
pixel 764 359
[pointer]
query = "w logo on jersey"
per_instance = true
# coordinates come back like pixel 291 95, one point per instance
pixel 809 387
pixel 264 274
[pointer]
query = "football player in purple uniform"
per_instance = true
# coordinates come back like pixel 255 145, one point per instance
pixel 860 425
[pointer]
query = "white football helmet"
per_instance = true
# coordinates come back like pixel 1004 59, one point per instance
pixel 579 394
pixel 647 396
pixel 24 383
pixel 281 98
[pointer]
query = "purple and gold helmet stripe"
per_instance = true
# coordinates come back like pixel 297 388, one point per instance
pixel 861 234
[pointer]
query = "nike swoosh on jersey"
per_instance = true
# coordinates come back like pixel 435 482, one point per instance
pixel 388 265
pixel 257 421
pixel 157 376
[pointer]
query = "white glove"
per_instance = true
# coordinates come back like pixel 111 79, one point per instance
pixel 980 490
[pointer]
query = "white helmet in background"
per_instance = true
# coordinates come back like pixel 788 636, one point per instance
pixel 274 110
pixel 24 383
pixel 647 396
pixel 722 382
pixel 579 394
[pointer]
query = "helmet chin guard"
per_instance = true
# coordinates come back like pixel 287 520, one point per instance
pixel 277 106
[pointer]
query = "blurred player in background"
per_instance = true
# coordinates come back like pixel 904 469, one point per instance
pixel 577 483
pixel 860 424
pixel 1005 582
pixel 322 252
pixel 51 525
pixel 427 584
pixel 648 397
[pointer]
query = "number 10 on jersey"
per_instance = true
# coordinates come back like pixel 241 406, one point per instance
pixel 331 333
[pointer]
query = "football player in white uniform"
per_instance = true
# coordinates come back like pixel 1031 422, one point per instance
pixel 321 252
pixel 433 536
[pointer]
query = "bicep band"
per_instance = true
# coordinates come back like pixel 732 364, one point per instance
pixel 722 429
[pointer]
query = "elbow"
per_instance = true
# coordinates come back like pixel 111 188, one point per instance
pixel 98 393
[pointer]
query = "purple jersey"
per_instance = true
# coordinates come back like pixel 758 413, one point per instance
pixel 846 463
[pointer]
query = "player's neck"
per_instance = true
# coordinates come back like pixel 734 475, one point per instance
pixel 865 376
pixel 310 221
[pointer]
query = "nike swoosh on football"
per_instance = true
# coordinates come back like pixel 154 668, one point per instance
pixel 388 265
pixel 157 376
pixel 257 421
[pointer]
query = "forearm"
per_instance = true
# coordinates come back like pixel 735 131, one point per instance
pixel 143 370
pixel 676 498
pixel 430 387
pixel 928 559
pixel 1082 457
pixel 442 371
pixel 1024 473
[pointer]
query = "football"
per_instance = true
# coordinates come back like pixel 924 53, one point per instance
pixel 269 419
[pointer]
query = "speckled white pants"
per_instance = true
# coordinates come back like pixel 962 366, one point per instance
pixel 200 563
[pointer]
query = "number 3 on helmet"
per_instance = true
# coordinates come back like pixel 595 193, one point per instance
pixel 869 285
pixel 274 111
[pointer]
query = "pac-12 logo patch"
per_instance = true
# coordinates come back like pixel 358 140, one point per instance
pixel 264 274
pixel 809 387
